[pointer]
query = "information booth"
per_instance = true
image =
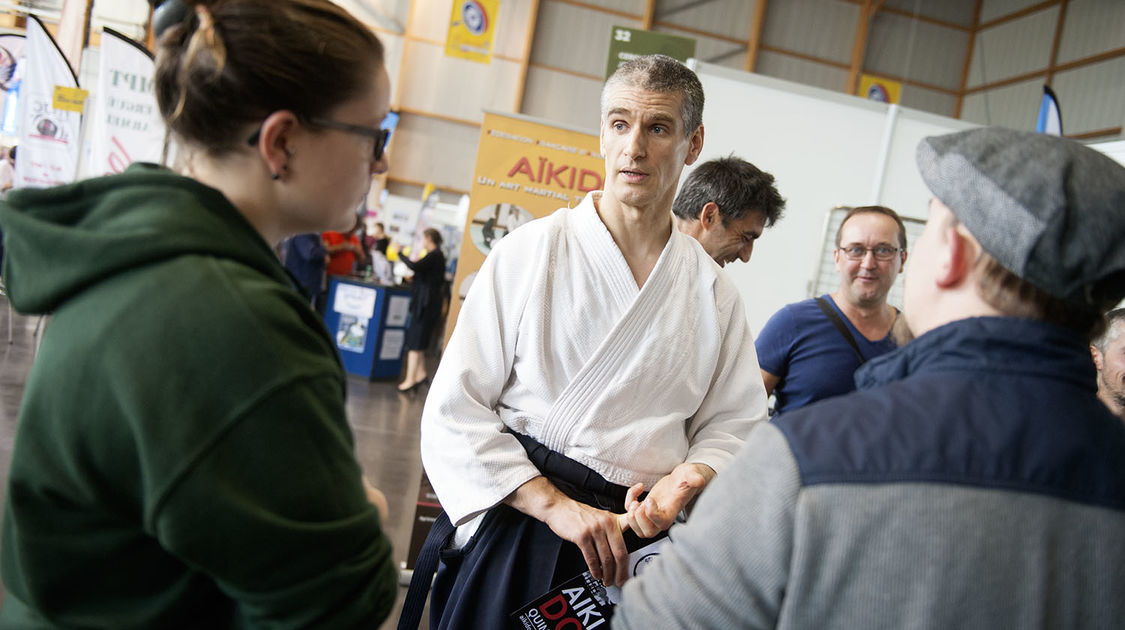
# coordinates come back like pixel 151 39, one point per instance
pixel 368 322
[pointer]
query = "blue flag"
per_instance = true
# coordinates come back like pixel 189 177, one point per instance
pixel 1050 118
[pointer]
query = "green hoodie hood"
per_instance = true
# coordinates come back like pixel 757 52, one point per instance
pixel 61 241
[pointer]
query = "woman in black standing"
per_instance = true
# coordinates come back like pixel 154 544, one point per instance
pixel 425 307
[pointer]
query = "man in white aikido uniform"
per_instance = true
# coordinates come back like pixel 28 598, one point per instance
pixel 599 353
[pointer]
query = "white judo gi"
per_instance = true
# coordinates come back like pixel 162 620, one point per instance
pixel 556 341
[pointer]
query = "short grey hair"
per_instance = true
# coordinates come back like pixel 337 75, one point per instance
pixel 1112 330
pixel 661 73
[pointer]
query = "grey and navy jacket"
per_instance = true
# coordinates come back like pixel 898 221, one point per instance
pixel 973 481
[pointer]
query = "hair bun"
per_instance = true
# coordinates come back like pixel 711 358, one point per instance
pixel 222 66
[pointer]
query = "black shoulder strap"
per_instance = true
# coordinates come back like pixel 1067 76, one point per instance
pixel 834 317
pixel 424 569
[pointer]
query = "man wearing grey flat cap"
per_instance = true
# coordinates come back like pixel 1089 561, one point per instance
pixel 974 480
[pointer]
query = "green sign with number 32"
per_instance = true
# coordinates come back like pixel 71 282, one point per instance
pixel 626 43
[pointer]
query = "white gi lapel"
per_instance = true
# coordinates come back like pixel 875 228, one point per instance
pixel 625 335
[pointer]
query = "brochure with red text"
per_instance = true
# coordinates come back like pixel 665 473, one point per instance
pixel 581 603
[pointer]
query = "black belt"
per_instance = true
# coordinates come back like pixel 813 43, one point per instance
pixel 575 480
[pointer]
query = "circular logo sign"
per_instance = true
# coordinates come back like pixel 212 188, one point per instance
pixel 876 92
pixel 643 562
pixel 474 17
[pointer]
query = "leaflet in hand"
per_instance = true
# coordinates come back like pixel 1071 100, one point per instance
pixel 581 603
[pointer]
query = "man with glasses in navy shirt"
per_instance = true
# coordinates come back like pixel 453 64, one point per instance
pixel 809 350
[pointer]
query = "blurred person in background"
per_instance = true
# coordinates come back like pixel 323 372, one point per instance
pixel 377 240
pixel 427 293
pixel 345 250
pixel 306 258
pixel 8 170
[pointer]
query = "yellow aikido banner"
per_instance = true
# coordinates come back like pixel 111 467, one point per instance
pixel 526 168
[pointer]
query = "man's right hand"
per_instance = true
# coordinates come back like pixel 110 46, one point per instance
pixel 596 532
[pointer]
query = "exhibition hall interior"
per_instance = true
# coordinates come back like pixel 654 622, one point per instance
pixel 491 119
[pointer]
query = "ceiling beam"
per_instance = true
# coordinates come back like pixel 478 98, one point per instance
pixel 649 15
pixel 1070 65
pixel 757 23
pixel 683 7
pixel 920 18
pixel 973 34
pixel 1015 15
pixel 1060 21
pixel 859 45
pixel 525 56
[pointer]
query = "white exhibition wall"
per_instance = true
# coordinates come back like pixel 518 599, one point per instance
pixel 1115 150
pixel 825 149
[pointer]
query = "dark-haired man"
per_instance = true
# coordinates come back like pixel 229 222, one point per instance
pixel 809 350
pixel 975 480
pixel 599 352
pixel 726 204
pixel 1108 351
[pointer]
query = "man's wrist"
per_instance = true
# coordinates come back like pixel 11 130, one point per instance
pixel 705 470
pixel 536 497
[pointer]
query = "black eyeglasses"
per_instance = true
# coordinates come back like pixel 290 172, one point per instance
pixel 859 252
pixel 379 135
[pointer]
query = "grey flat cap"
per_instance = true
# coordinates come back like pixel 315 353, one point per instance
pixel 1046 208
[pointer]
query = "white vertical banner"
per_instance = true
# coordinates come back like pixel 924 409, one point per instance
pixel 127 126
pixel 50 114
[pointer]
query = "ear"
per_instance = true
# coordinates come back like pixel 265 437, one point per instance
pixel 1097 356
pixel 695 146
pixel 276 139
pixel 958 253
pixel 902 263
pixel 709 215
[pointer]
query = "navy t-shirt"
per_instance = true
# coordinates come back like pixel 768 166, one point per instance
pixel 811 359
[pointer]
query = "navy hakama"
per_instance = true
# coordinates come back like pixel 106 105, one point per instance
pixel 512 559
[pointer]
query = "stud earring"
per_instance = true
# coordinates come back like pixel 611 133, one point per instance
pixel 275 176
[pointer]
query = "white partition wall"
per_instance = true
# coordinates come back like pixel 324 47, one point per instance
pixel 1115 150
pixel 826 149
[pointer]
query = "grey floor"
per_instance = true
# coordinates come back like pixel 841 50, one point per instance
pixel 385 425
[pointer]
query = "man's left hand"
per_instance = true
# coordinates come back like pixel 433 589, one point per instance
pixel 668 496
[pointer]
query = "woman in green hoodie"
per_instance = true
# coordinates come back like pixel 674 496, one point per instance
pixel 183 457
